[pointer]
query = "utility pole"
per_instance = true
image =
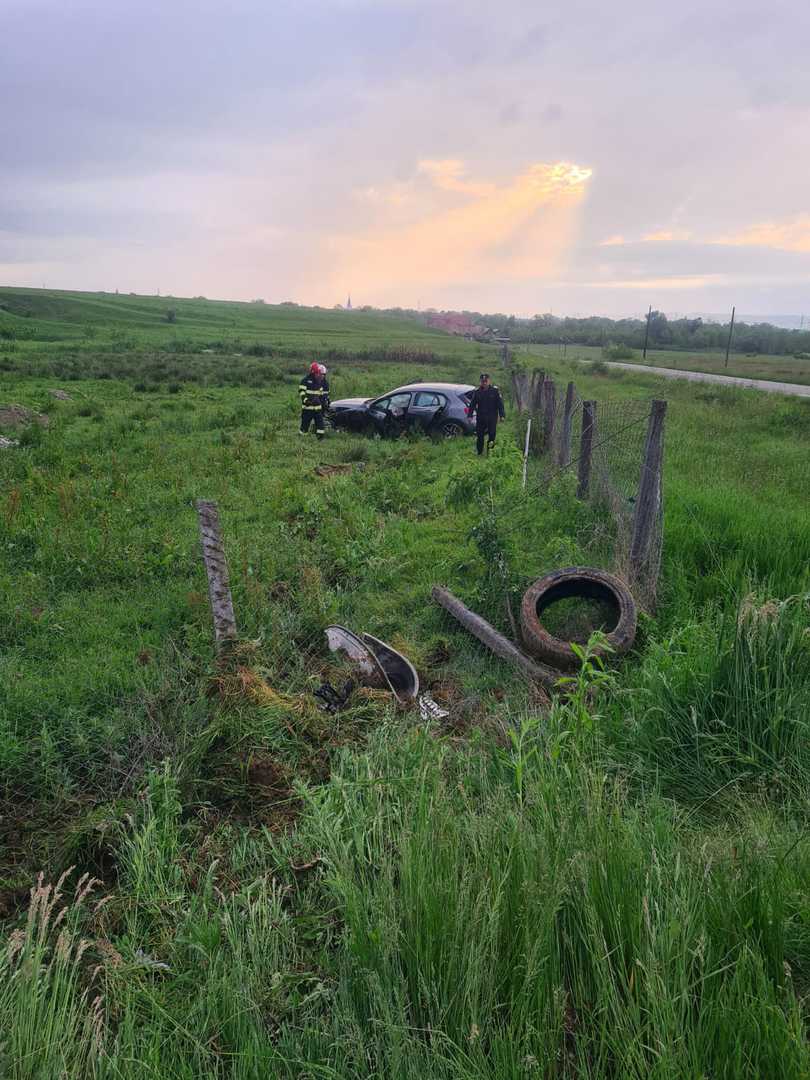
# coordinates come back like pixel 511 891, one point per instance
pixel 730 332
pixel 647 333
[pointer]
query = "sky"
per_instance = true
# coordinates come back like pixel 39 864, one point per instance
pixel 576 157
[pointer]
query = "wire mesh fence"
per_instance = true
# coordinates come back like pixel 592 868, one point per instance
pixel 615 450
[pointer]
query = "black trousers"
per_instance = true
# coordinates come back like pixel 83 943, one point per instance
pixel 308 415
pixel 485 426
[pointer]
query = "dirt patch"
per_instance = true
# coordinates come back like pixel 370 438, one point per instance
pixel 465 710
pixel 255 791
pixel 440 654
pixel 337 470
pixel 13 901
pixel 60 395
pixel 17 416
pixel 269 775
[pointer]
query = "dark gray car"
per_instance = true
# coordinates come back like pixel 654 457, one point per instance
pixel 438 409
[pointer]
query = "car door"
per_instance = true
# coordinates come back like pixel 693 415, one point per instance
pixel 425 408
pixel 390 414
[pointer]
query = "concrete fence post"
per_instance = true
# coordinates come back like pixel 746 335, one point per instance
pixel 564 458
pixel 549 411
pixel 586 448
pixel 216 567
pixel 648 501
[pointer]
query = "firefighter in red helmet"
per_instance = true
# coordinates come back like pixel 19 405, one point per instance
pixel 314 394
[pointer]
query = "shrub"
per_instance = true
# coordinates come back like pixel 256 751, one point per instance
pixel 619 352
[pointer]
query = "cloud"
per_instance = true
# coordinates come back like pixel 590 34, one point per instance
pixel 667 236
pixel 792 235
pixel 448 175
pixel 277 149
pixel 522 227
pixel 660 236
pixel 693 281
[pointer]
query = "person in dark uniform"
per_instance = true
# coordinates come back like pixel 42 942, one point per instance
pixel 314 394
pixel 487 406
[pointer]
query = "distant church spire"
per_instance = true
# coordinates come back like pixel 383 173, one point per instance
pixel 349 303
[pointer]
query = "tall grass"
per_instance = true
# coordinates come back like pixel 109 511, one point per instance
pixel 455 931
pixel 51 1022
pixel 722 704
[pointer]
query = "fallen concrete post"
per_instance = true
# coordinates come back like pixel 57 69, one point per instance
pixel 493 640
pixel 216 567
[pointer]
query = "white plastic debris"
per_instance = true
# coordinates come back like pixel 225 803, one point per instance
pixel 429 710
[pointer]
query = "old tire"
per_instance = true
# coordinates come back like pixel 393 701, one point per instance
pixel 575 581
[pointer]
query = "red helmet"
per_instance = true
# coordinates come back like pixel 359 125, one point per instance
pixel 314 367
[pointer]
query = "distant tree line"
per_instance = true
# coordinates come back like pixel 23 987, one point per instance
pixel 686 334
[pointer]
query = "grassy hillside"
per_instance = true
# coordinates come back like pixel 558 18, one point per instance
pixel 617 887
pixel 37 317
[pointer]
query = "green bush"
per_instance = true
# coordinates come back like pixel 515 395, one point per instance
pixel 619 352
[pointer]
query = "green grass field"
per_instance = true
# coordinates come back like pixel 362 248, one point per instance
pixel 617 887
pixel 66 323
pixel 787 369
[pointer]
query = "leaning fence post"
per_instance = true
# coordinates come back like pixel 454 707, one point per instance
pixel 565 432
pixel 536 392
pixel 648 502
pixel 216 567
pixel 549 409
pixel 586 448
pixel 520 381
pixel 526 450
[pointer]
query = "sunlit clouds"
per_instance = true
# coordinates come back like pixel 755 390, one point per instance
pixel 576 157
pixel 449 175
pixel 661 284
pixel 655 236
pixel 523 227
pixel 666 236
pixel 780 235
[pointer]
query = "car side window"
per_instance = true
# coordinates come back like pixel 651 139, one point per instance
pixel 398 403
pixel 427 399
pixel 381 405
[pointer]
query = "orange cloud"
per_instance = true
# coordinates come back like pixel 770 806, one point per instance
pixel 666 236
pixel 448 175
pixel 783 235
pixel 523 228
pixel 613 241
pixel 690 282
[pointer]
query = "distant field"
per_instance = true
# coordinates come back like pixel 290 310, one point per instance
pixel 773 368
pixel 37 319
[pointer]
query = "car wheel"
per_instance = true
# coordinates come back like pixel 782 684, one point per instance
pixel 449 429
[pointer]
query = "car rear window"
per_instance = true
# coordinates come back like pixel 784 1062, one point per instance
pixel 467 396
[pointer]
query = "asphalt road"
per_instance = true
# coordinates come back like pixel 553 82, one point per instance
pixel 723 380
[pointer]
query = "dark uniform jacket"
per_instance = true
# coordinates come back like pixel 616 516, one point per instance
pixel 314 393
pixel 487 404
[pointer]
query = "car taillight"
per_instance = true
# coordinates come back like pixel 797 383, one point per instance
pixel 466 410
